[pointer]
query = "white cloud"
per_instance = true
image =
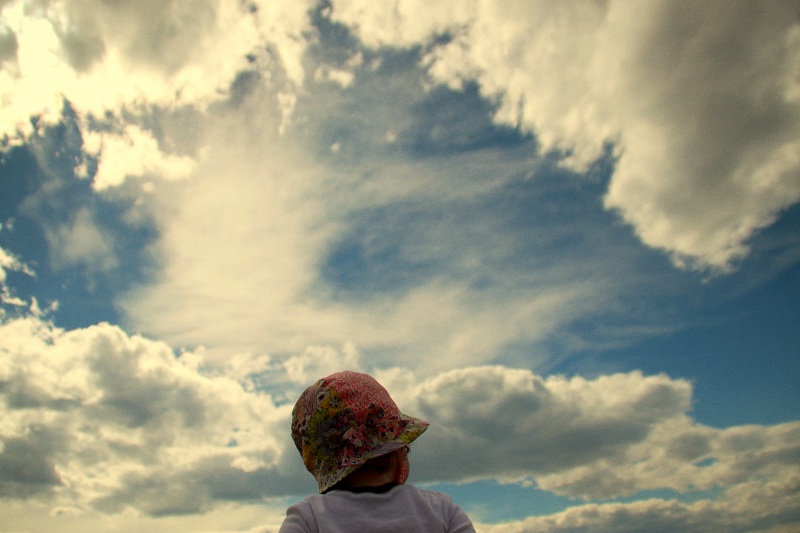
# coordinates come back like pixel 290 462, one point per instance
pixel 81 241
pixel 398 22
pixel 764 505
pixel 606 438
pixel 11 263
pixel 701 101
pixel 33 517
pixel 108 422
pixel 711 148
pixel 611 437
pixel 98 423
pixel 258 287
pixel 239 245
pixel 103 56
pixel 318 361
pixel 243 247
pixel 103 416
pixel 133 153
pixel 537 427
pixel 124 59
pixel 343 78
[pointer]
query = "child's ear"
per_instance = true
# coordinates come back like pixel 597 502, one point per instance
pixel 402 470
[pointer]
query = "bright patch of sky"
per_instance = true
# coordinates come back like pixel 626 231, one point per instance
pixel 565 233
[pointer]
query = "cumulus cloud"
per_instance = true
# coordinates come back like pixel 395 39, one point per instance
pixel 547 425
pixel 612 437
pixel 94 418
pixel 764 506
pixel 700 101
pixel 318 361
pixel 103 56
pixel 97 421
pixel 134 153
pixel 117 65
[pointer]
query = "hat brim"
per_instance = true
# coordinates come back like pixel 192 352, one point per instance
pixel 414 427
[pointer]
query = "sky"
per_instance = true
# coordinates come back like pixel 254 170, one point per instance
pixel 567 234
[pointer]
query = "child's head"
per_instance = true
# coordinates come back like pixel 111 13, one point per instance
pixel 344 420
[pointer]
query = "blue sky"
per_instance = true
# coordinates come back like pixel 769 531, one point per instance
pixel 565 233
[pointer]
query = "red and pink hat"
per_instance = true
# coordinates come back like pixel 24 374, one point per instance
pixel 343 420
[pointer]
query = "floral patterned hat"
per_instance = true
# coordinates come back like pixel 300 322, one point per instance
pixel 342 421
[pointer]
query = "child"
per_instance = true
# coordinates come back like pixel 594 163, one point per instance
pixel 354 440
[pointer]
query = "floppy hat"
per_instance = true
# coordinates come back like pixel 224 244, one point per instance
pixel 343 420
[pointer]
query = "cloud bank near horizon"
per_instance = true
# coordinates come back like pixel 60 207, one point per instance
pixel 99 421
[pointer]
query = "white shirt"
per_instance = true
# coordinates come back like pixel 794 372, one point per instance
pixel 404 508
